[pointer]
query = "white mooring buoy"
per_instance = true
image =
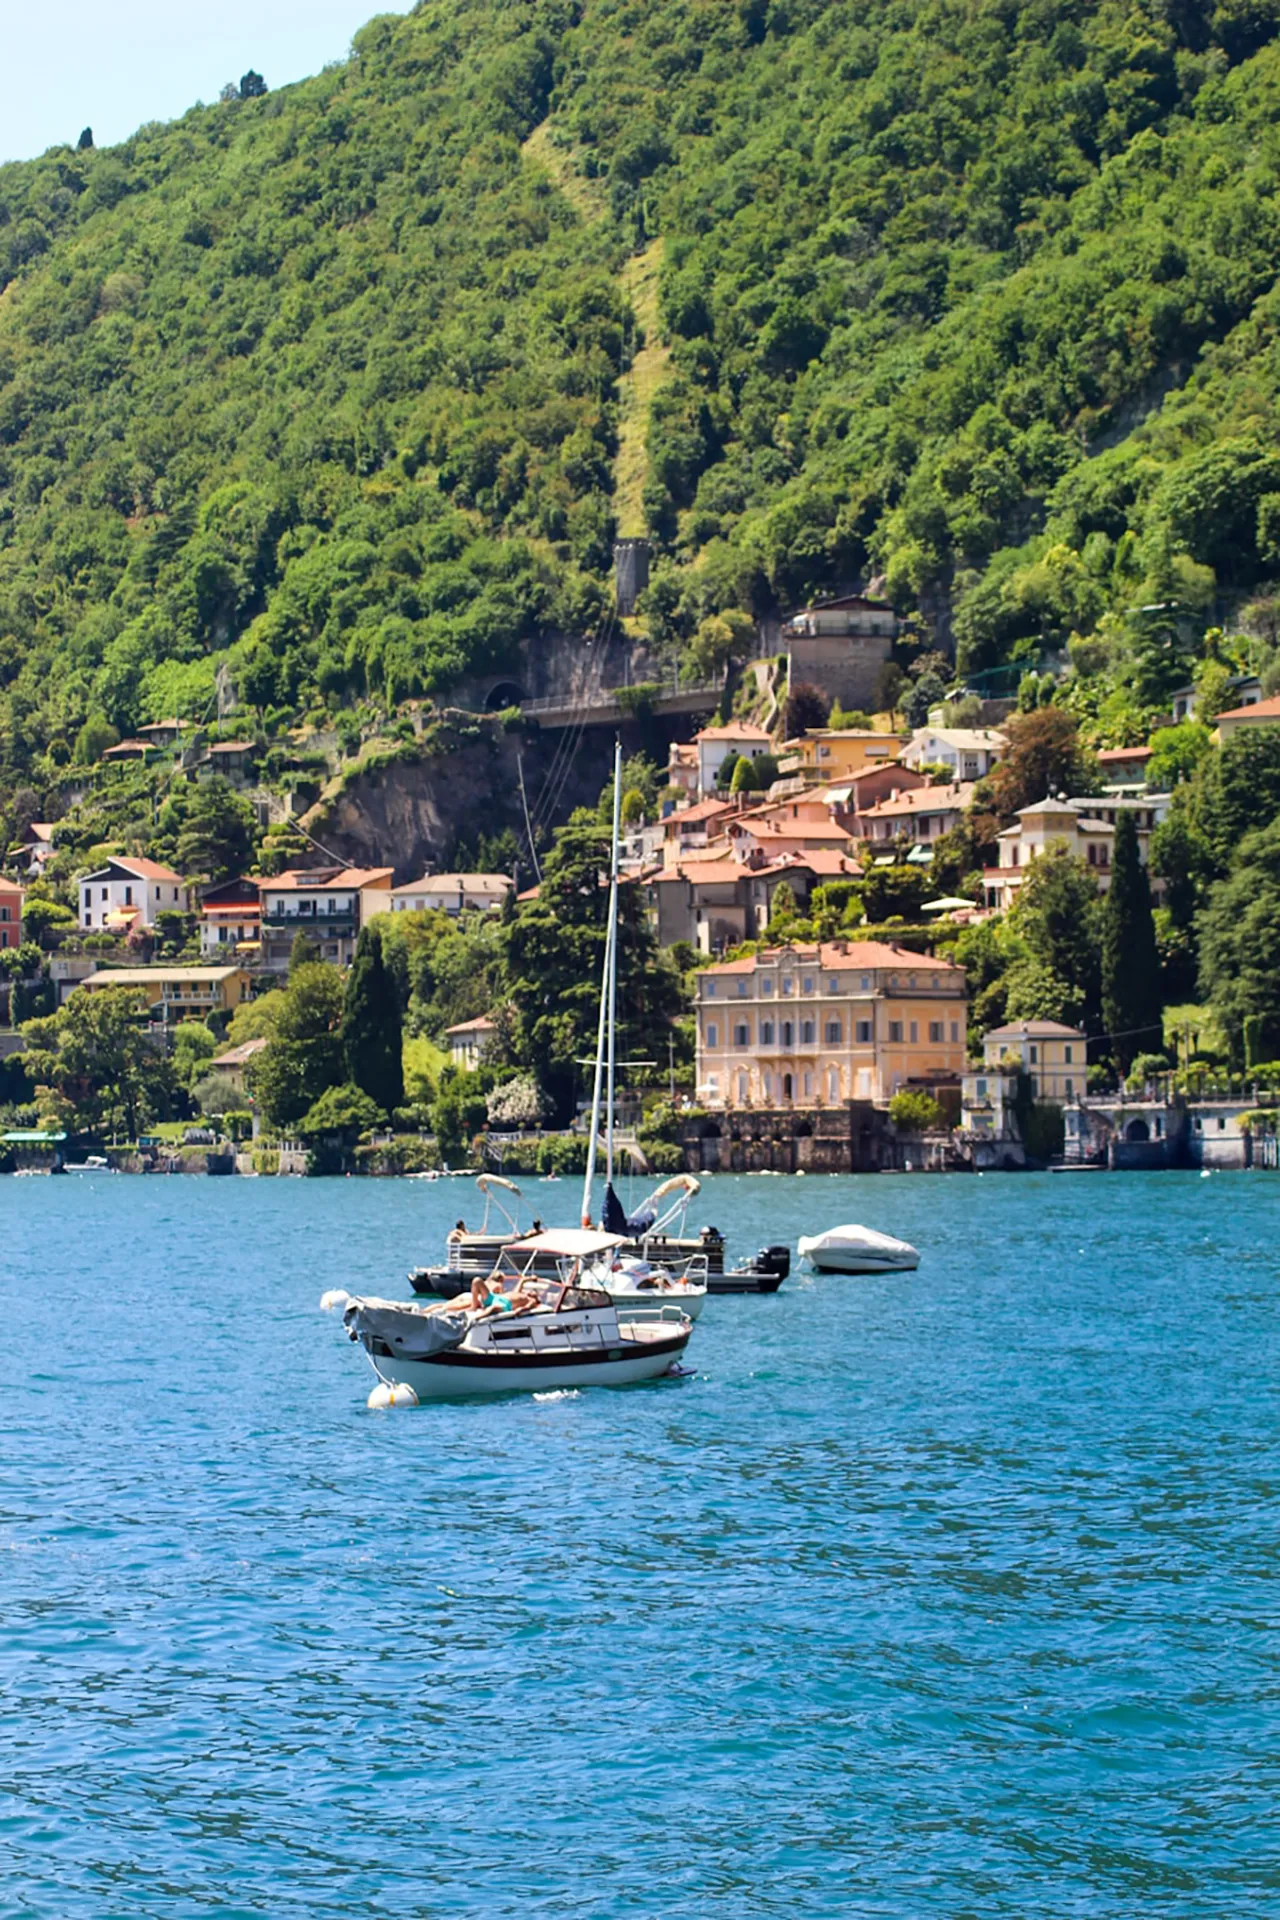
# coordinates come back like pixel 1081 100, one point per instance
pixel 385 1395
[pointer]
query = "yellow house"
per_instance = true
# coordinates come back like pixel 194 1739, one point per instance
pixel 180 993
pixel 1051 1054
pixel 838 753
pixel 815 1025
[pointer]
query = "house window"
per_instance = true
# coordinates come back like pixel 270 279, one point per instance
pixel 833 1083
pixel 833 985
pixel 806 985
pixel 808 1086
pixel 713 1034
pixel 806 1033
pixel 742 989
pixel 955 1033
pixel 835 1032
pixel 104 893
pixel 862 1033
pixel 866 983
pixel 788 1034
pixel 711 989
pixel 4 913
pixel 914 1032
pixel 935 1032
pixel 1035 1053
pixel 742 1035
pixel 1071 1087
pixel 128 896
pixel 1066 1054
pixel 175 893
pixel 766 986
pixel 766 1033
pixel 788 986
pixel 742 1089
pixel 766 1080
pixel 980 1088
pixel 895 1033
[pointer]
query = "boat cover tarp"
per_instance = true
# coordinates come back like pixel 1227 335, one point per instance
pixel 614 1217
pixel 410 1334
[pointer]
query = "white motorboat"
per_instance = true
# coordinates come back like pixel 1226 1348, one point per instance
pixel 632 1282
pixel 856 1249
pixel 573 1335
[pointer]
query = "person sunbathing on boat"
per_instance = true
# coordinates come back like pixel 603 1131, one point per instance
pixel 487 1301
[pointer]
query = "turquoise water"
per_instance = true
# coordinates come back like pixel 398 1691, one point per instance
pixel 950 1593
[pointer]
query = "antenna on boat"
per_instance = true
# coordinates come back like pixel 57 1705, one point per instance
pixel 608 981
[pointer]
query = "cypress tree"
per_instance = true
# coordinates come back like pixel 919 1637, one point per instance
pixel 1131 1001
pixel 370 1031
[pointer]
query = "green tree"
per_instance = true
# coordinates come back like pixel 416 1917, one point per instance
pixel 744 777
pixel 303 1057
pixel 93 739
pixel 43 919
pixel 894 893
pixel 1043 758
pixel 1056 916
pixel 1240 944
pixel 372 1035
pixel 913 1111
pixel 345 1109
pixel 208 830
pixel 193 1048
pixel 305 952
pixel 1132 1012
pixel 1176 753
pixel 554 949
pixel 96 1054
pixel 807 706
pixel 1238 791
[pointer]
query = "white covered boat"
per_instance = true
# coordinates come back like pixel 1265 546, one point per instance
pixel 856 1249
pixel 565 1333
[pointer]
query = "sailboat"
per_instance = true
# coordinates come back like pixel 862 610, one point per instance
pixel 625 1272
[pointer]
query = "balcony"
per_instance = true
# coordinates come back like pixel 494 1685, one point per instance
pixel 325 926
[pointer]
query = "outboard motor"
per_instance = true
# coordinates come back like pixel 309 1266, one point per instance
pixel 773 1260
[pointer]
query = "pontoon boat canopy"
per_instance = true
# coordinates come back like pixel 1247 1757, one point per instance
pixel 570 1243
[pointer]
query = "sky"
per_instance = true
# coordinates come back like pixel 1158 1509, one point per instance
pixel 113 64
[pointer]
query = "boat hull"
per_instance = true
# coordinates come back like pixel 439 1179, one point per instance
pixel 860 1263
pixel 462 1375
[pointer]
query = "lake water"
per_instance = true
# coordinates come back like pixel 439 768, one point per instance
pixel 949 1593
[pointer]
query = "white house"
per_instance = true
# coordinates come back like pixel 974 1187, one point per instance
pixel 331 905
pixel 969 752
pixel 126 894
pixel 467 1041
pixel 741 738
pixel 1085 826
pixel 454 893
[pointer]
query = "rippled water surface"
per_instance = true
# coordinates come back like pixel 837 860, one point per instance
pixel 949 1593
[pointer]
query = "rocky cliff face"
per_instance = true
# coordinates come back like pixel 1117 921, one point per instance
pixel 412 813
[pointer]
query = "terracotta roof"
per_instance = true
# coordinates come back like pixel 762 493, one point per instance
pixel 231 746
pixel 321 878
pixel 795 830
pixel 736 730
pixel 840 956
pixel 921 800
pixel 43 829
pixel 458 883
pixel 1038 1029
pixel 1260 710
pixel 145 976
pixel 483 1025
pixel 1125 753
pixel 139 868
pixel 821 860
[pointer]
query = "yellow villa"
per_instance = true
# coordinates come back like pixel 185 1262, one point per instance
pixel 811 1026
pixel 837 753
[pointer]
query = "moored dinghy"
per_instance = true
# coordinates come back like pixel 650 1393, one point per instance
pixel 855 1249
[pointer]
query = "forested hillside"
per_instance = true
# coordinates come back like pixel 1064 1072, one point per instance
pixel 318 392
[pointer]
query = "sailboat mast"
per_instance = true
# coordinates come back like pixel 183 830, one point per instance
pixel 613 953
pixel 606 977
